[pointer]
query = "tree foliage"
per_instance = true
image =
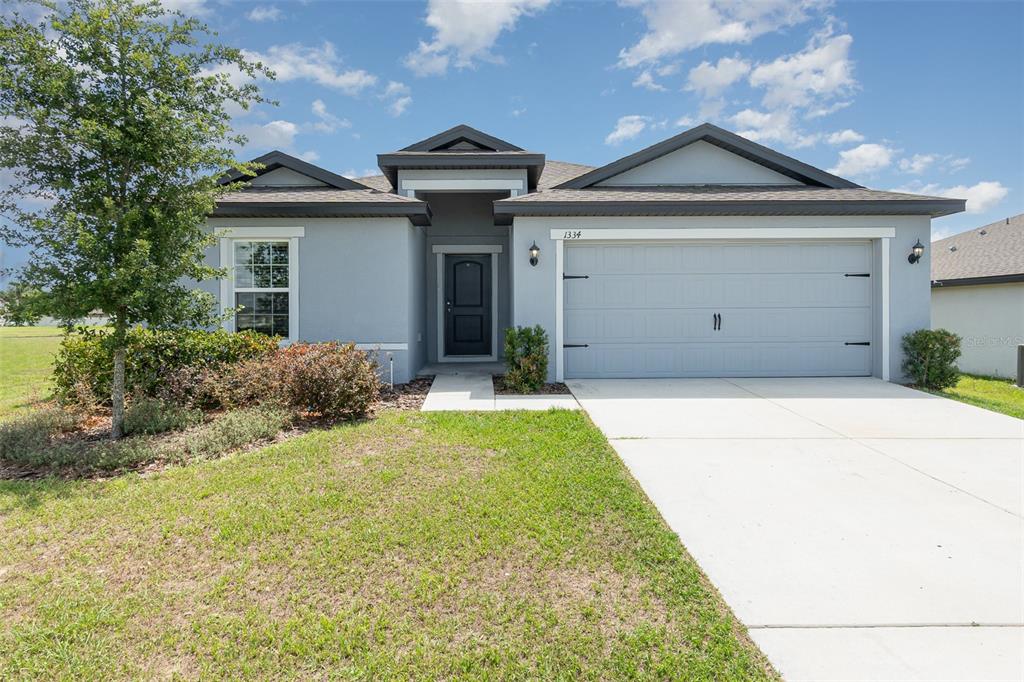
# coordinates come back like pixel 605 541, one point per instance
pixel 114 130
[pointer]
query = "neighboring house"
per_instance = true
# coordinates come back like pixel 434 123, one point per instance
pixel 703 255
pixel 978 292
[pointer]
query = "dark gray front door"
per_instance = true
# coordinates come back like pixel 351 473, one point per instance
pixel 467 305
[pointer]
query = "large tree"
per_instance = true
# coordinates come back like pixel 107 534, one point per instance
pixel 114 126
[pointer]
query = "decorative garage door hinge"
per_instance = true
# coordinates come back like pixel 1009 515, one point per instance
pixel 857 274
pixel 857 343
pixel 575 345
pixel 565 276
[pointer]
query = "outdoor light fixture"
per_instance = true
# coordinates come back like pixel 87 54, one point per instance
pixel 534 253
pixel 916 252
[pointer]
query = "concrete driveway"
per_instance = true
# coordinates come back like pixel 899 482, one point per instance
pixel 860 529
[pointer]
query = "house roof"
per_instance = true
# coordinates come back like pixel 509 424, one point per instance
pixel 554 172
pixel 759 154
pixel 462 137
pixel 319 202
pixel 704 200
pixel 986 255
pixel 277 159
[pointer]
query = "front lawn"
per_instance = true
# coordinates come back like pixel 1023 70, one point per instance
pixel 440 545
pixel 998 395
pixel 26 363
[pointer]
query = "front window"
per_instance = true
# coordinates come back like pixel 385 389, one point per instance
pixel 262 286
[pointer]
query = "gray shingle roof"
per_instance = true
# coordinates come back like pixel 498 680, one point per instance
pixel 319 202
pixel 311 194
pixel 378 182
pixel 995 250
pixel 722 200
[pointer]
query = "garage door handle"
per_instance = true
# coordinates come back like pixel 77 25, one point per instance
pixel 575 345
pixel 857 274
pixel 857 343
pixel 565 276
pixel 716 322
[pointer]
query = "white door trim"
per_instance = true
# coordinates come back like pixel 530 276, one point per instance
pixel 440 250
pixel 715 233
pixel 559 311
pixel 885 307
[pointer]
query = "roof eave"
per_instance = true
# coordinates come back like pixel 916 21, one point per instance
pixel 391 163
pixel 934 209
pixel 974 281
pixel 278 159
pixel 417 212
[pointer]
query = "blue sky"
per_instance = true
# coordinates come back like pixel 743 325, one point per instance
pixel 919 96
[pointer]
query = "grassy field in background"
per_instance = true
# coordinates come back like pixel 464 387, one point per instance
pixel 26 363
pixel 414 546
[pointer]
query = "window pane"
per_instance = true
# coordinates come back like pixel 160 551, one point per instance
pixel 246 301
pixel 280 276
pixel 261 276
pixel 264 324
pixel 280 304
pixel 280 253
pixel 243 253
pixel 264 304
pixel 243 277
pixel 243 322
pixel 280 325
pixel 261 253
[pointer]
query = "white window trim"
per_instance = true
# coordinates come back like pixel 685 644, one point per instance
pixel 440 250
pixel 227 262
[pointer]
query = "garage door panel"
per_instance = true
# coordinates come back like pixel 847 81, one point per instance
pixel 786 309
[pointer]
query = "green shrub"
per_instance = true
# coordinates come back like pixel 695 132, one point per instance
pixel 231 431
pixel 526 356
pixel 333 380
pixel 930 357
pixel 84 363
pixel 22 438
pixel 152 415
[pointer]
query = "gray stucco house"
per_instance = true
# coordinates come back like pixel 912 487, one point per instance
pixel 703 255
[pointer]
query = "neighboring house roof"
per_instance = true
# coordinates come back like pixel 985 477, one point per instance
pixel 276 159
pixel 990 254
pixel 705 200
pixel 319 202
pixel 741 146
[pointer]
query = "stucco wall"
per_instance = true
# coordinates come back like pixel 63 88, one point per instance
pixel 990 318
pixel 909 284
pixel 357 282
pixel 464 218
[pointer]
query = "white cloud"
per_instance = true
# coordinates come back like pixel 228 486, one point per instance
pixel 320 65
pixel 646 80
pixel 980 197
pixel 821 70
pixel 193 8
pixel 772 126
pixel 685 122
pixel 273 135
pixel 328 122
pixel 711 80
pixel 398 96
pixel 863 159
pixel 267 13
pixel 465 32
pixel 310 156
pixel 626 128
pixel 818 112
pixel 673 27
pixel 958 163
pixel 918 163
pixel 516 113
pixel 847 136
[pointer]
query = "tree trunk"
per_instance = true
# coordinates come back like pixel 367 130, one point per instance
pixel 117 384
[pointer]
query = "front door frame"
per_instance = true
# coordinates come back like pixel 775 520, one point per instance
pixel 440 250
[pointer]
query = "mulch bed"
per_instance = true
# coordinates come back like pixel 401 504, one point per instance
pixel 556 388
pixel 408 396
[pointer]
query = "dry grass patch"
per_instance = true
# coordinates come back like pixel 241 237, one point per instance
pixel 427 546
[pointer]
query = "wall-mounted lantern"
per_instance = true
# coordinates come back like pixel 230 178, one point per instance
pixel 534 254
pixel 916 252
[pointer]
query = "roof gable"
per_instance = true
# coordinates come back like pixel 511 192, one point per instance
pixel 276 160
pixel 462 138
pixel 779 164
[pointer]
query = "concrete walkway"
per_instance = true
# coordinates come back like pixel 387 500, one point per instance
pixel 472 390
pixel 861 530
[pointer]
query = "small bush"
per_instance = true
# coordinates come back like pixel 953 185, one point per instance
pixel 231 431
pixel 151 415
pixel 526 355
pixel 22 438
pixel 930 357
pixel 259 381
pixel 336 381
pixel 84 363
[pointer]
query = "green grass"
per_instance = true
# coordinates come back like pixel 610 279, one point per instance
pixel 998 395
pixel 415 546
pixel 26 363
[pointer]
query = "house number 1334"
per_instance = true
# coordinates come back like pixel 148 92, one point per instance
pixel 572 234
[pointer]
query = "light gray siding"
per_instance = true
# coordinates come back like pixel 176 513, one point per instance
pixel 357 282
pixel 990 320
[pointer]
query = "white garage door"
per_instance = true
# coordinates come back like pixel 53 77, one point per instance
pixel 717 309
